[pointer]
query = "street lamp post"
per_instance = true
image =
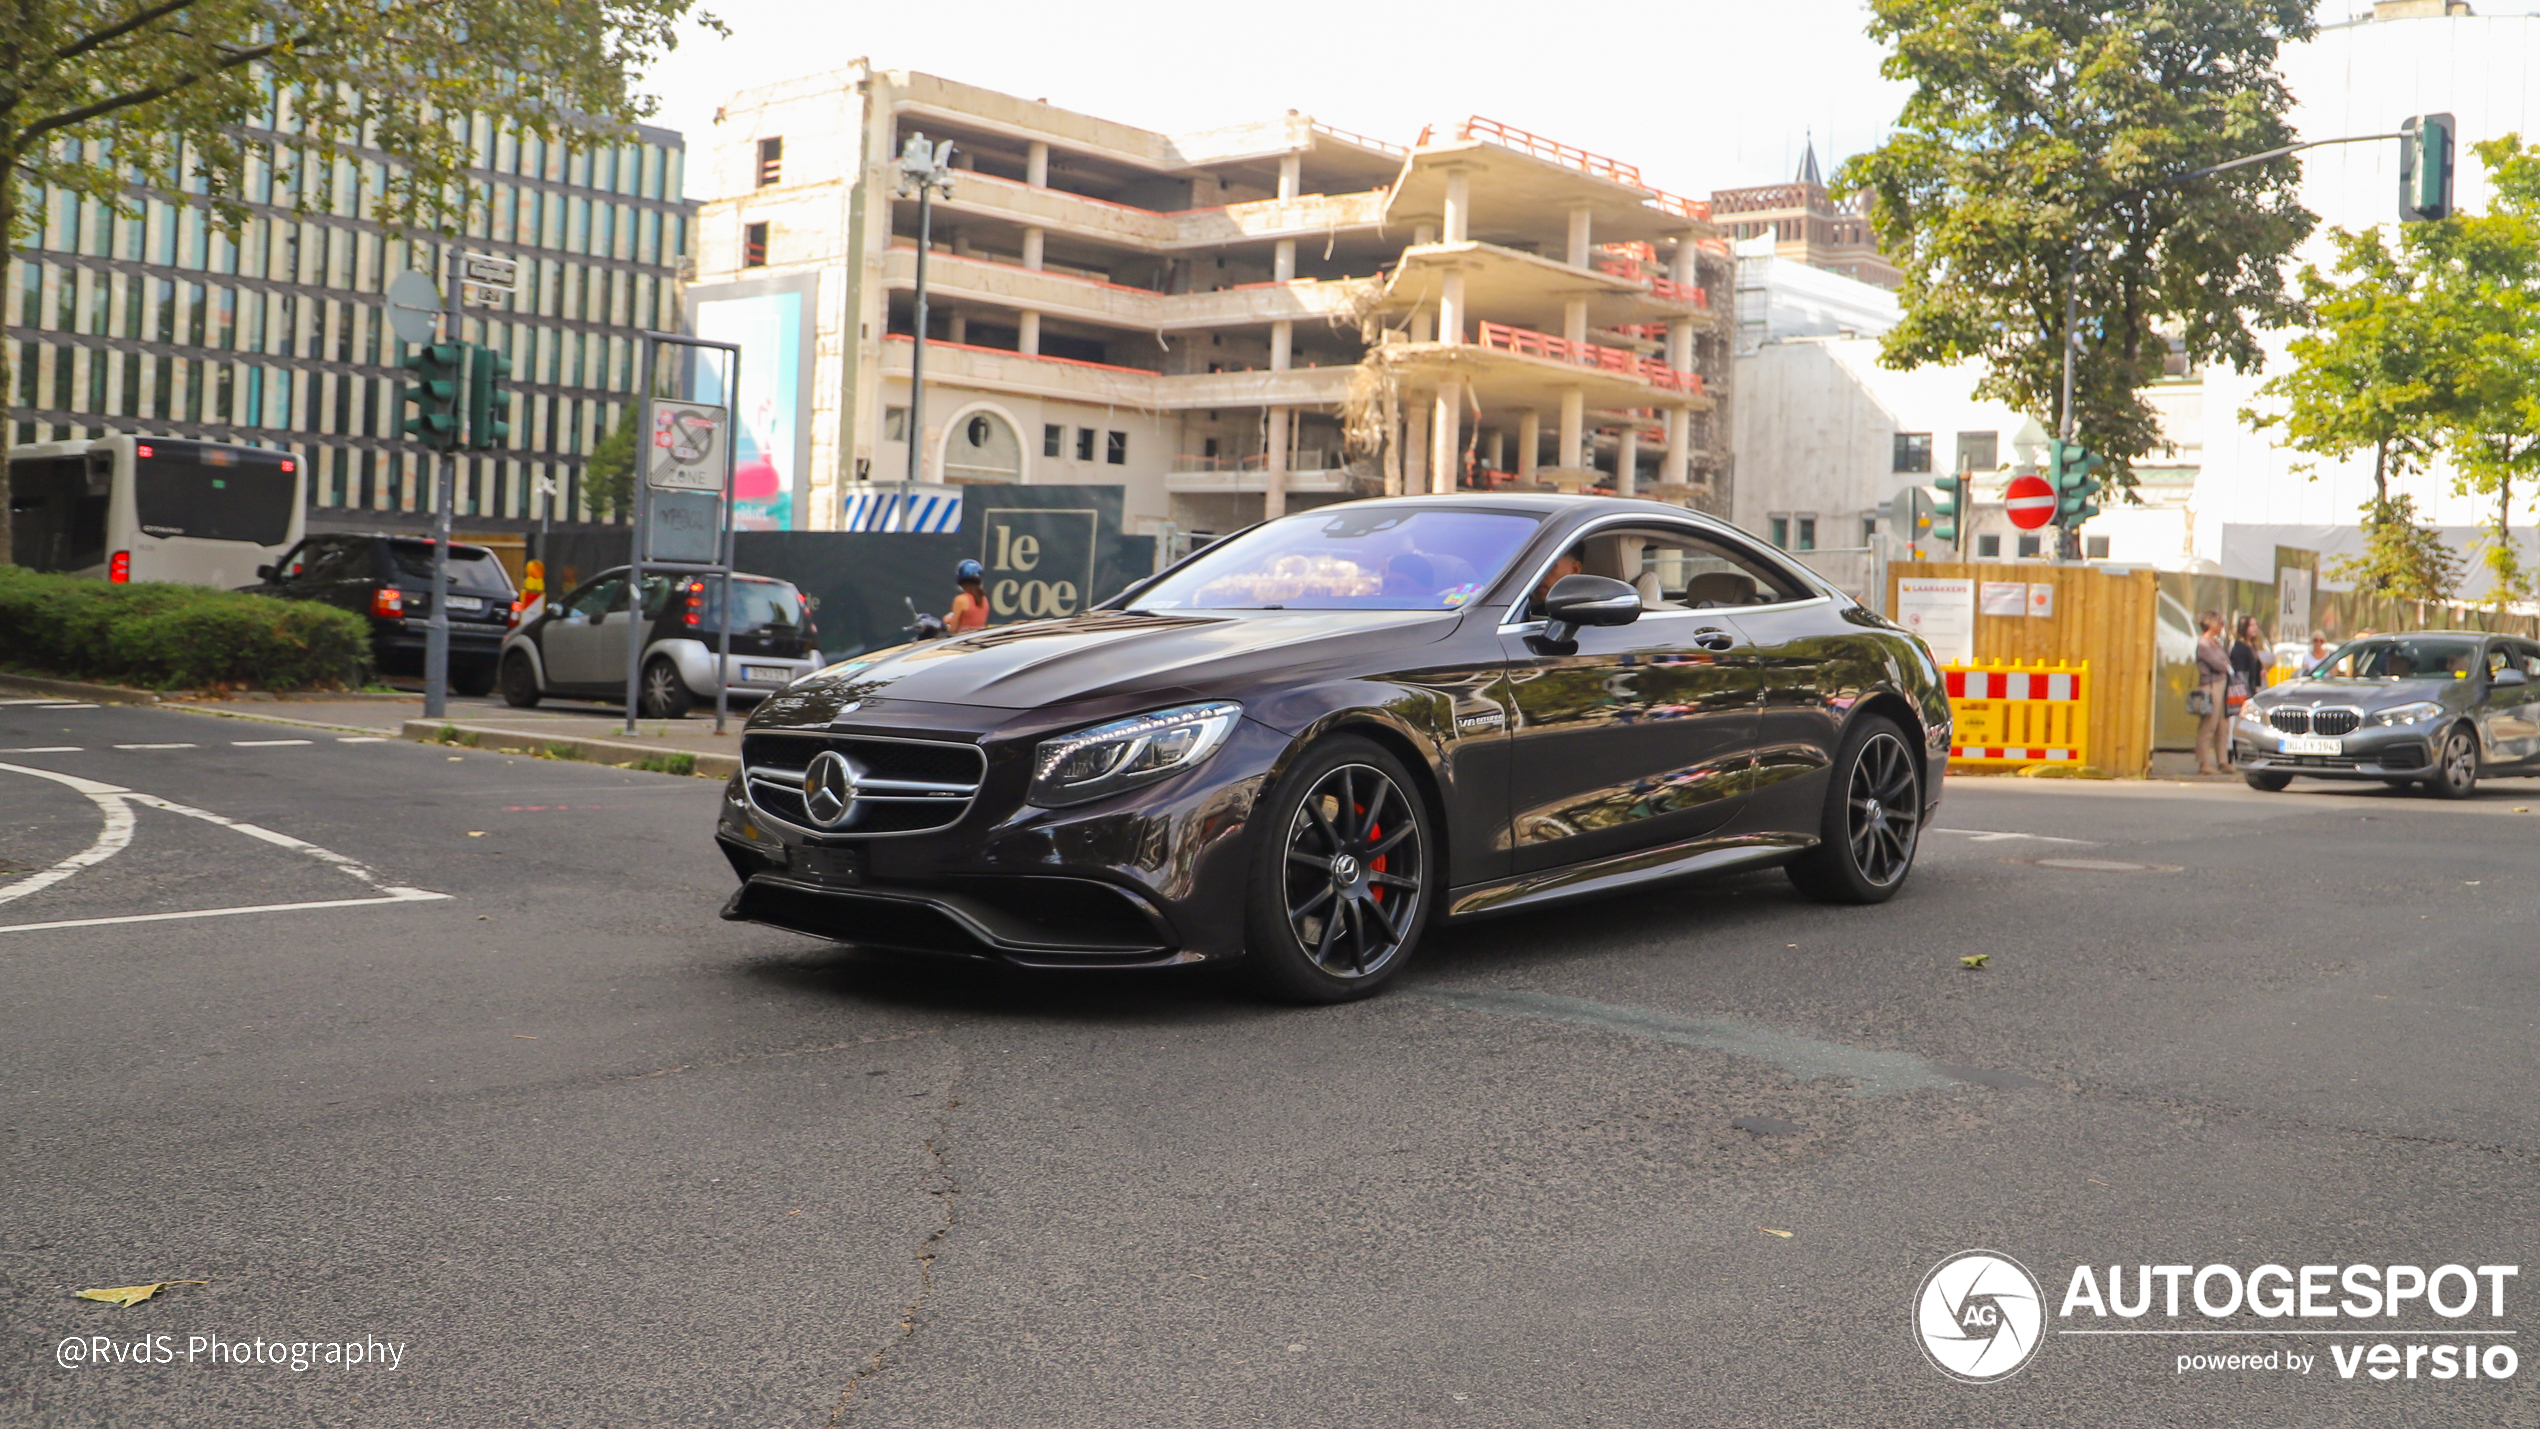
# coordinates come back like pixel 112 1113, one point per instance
pixel 925 169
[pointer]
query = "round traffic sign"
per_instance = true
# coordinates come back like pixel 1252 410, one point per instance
pixel 2030 501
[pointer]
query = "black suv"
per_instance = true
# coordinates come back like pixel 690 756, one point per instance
pixel 389 579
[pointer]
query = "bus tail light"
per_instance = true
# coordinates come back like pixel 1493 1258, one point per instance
pixel 388 602
pixel 119 570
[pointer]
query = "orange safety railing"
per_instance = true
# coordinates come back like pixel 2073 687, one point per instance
pixel 1512 137
pixel 1667 288
pixel 1526 342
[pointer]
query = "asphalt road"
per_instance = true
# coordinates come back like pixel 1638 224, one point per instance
pixel 588 1155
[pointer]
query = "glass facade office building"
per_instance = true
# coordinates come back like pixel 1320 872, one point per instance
pixel 163 326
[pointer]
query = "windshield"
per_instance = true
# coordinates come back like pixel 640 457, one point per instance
pixel 1378 558
pixel 214 493
pixel 2414 657
pixel 471 567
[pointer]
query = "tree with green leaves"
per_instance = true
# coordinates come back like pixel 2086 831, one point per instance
pixel 200 97
pixel 2046 130
pixel 2403 557
pixel 608 478
pixel 2491 346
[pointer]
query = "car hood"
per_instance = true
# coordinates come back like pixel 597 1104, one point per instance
pixel 2363 694
pixel 1114 653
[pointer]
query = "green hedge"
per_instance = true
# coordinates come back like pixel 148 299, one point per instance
pixel 176 636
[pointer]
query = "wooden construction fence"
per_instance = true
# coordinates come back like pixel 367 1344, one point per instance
pixel 2105 618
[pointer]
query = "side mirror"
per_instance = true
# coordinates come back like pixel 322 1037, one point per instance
pixel 264 573
pixel 2509 676
pixel 1574 601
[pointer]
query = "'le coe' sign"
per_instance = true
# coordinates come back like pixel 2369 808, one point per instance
pixel 1040 562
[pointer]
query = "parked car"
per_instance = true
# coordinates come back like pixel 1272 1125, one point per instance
pixel 575 645
pixel 389 579
pixel 1301 746
pixel 2438 708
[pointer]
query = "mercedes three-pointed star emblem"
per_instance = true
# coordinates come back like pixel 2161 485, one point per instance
pixel 829 789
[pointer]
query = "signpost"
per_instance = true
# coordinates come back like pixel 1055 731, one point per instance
pixel 488 278
pixel 683 508
pixel 2030 500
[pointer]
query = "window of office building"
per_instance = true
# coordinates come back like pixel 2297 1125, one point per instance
pixel 2094 548
pixel 1084 444
pixel 754 245
pixel 2030 547
pixel 771 161
pixel 1978 451
pixel 1913 451
pixel 1807 533
pixel 1781 531
pixel 1053 439
pixel 1988 548
pixel 1116 449
pixel 895 424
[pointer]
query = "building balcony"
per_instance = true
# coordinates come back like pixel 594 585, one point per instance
pixel 1068 379
pixel 951 279
pixel 1225 476
pixel 1306 216
pixel 1529 290
pixel 1518 368
pixel 1523 187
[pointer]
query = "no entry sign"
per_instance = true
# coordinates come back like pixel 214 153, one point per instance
pixel 2030 501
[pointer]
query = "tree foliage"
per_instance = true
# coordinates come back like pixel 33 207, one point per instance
pixel 2403 557
pixel 608 478
pixel 359 107
pixel 2051 127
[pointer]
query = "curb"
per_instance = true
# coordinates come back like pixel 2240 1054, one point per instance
pixel 589 751
pixel 74 689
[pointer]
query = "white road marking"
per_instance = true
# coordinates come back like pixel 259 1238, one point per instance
pixel 1986 836
pixel 359 739
pixel 265 743
pixel 30 702
pixel 44 749
pixel 411 895
pixel 70 707
pixel 154 746
pixel 114 802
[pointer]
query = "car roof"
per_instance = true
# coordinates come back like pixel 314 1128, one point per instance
pixel 1537 503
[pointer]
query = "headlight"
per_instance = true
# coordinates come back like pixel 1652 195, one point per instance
pixel 2406 714
pixel 1106 759
pixel 2251 714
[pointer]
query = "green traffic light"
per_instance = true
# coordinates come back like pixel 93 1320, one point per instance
pixel 2070 469
pixel 1948 509
pixel 488 407
pixel 435 394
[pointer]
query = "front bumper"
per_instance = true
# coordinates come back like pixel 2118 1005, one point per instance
pixel 1154 877
pixel 2389 752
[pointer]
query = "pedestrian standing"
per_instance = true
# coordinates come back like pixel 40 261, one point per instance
pixel 2213 678
pixel 2248 663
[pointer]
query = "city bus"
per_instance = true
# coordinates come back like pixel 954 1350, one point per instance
pixel 154 509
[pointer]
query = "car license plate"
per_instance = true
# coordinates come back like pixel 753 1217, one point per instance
pixel 766 674
pixel 470 603
pixel 2310 744
pixel 828 865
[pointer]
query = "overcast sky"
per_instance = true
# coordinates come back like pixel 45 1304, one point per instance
pixel 1702 95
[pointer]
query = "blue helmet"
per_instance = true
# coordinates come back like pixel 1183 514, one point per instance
pixel 969 571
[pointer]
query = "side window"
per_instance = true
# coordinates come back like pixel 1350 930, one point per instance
pixel 2530 655
pixel 597 598
pixel 1678 569
pixel 296 564
pixel 2499 655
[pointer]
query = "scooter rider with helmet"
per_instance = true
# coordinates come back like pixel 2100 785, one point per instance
pixel 970 607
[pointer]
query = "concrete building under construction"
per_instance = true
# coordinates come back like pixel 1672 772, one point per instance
pixel 1227 323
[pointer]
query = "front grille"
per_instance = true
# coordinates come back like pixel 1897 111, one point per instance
pixel 903 786
pixel 2331 722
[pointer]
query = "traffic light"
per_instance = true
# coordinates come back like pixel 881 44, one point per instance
pixel 489 408
pixel 2069 469
pixel 1949 508
pixel 439 369
pixel 2425 169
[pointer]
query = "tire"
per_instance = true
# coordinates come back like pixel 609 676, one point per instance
pixel 1865 845
pixel 520 681
pixel 1344 829
pixel 2455 765
pixel 474 680
pixel 663 694
pixel 2267 783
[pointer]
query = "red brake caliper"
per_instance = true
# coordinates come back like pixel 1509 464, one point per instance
pixel 1375 834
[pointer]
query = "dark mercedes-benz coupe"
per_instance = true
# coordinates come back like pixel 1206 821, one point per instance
pixel 1305 744
pixel 2435 707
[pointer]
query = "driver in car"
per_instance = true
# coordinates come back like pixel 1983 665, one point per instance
pixel 1572 561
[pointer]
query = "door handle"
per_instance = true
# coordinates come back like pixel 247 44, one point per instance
pixel 1712 637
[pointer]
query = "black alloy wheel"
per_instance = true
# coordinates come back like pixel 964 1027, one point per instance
pixel 2267 781
pixel 662 694
pixel 1341 875
pixel 2455 765
pixel 520 681
pixel 1873 820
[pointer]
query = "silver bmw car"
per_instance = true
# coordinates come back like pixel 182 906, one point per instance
pixel 2437 708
